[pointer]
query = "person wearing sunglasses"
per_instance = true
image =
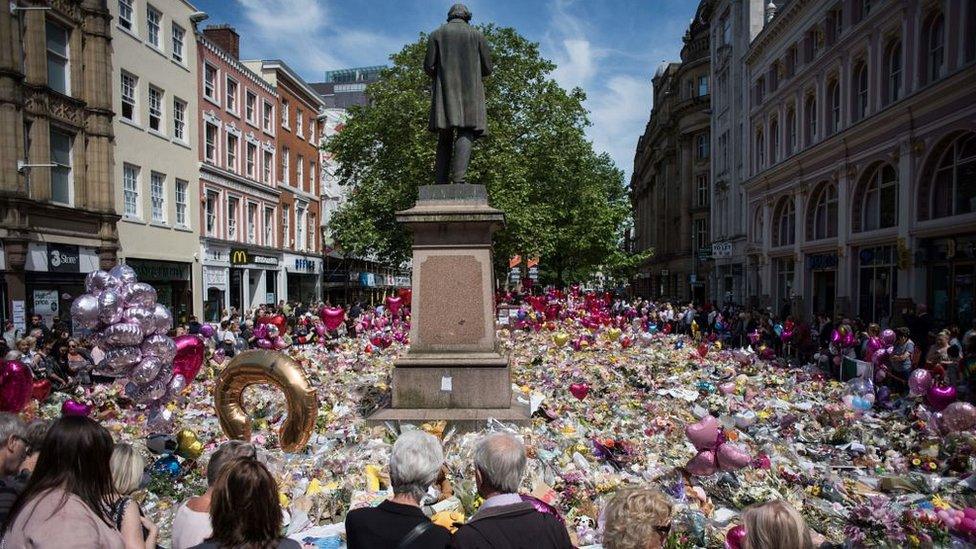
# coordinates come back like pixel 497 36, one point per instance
pixel 13 450
pixel 637 518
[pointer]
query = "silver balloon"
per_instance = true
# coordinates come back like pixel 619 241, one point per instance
pixel 109 307
pixel 99 280
pixel 84 311
pixel 177 384
pixel 146 371
pixel 124 274
pixel 143 316
pixel 145 394
pixel 164 319
pixel 160 420
pixel 122 334
pixel 159 346
pixel 119 360
pixel 272 331
pixel 140 294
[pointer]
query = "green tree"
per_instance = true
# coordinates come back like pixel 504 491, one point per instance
pixel 563 202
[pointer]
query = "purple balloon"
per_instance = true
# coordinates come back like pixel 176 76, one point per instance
pixel 919 382
pixel 124 274
pixel 888 336
pixel 84 311
pixel 110 307
pixel 146 371
pixel 142 316
pixel 122 335
pixel 265 344
pixel 140 294
pixel 206 330
pixel 117 361
pixel 164 319
pixel 159 346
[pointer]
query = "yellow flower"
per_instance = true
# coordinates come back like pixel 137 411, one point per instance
pixel 914 541
pixel 939 503
pixel 916 462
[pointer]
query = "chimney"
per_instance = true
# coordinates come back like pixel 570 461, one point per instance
pixel 226 38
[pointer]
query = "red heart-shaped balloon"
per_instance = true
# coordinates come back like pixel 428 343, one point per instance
pixel 189 357
pixel 394 304
pixel 579 390
pixel 75 408
pixel 41 390
pixel 332 317
pixel 406 294
pixel 941 396
pixel 16 385
pixel 277 320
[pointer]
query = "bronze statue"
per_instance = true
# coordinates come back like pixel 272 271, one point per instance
pixel 457 59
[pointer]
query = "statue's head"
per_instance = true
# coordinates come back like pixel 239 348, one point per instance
pixel 459 11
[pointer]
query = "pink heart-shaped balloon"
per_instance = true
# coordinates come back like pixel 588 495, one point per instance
pixel 735 537
pixel 332 317
pixel 16 386
pixel 189 356
pixel 727 388
pixel 940 396
pixel 732 456
pixel 75 408
pixel 702 465
pixel 394 304
pixel 579 390
pixel 704 434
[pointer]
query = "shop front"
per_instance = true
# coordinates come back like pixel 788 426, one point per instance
pixel 173 283
pixel 950 265
pixel 877 283
pixel 241 278
pixel 55 276
pixel 823 280
pixel 304 278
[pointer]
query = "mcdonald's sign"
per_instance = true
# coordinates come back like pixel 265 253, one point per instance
pixel 239 257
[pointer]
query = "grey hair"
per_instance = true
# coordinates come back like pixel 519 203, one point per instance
pixel 459 11
pixel 415 462
pixel 11 426
pixel 500 457
pixel 229 450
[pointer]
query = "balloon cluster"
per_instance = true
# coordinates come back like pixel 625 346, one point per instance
pixel 185 445
pixel 130 329
pixel 271 332
pixel 843 337
pixel 784 331
pixel 714 452
pixel 860 395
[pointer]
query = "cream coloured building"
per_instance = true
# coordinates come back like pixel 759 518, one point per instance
pixel 156 171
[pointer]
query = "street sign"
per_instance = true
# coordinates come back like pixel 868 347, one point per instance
pixel 721 249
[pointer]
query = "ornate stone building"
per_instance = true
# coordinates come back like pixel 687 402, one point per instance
pixel 670 192
pixel 57 208
pixel 862 158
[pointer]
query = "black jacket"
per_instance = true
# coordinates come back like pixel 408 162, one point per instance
pixel 512 526
pixel 383 526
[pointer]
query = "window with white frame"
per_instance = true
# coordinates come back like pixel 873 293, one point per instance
pixel 774 141
pixel 62 179
pixel 231 152
pixel 285 225
pixel 701 189
pixel 701 145
pixel 269 227
pixel 155 109
pixel 125 14
pixel 252 222
pixel 231 89
pixel 285 161
pixel 153 19
pixel 232 205
pixel 701 233
pixel 893 71
pixel 300 220
pixel 250 158
pixel 250 106
pixel 210 213
pixel 311 233
pixel 157 196
pixel 790 131
pixel 311 175
pixel 933 36
pixel 284 113
pixel 860 91
pixel 181 188
pixel 58 76
pixel 268 163
pixel 178 36
pixel 833 106
pixel 210 82
pixel 298 123
pixel 702 85
pixel 129 86
pixel 130 190
pixel 300 171
pixel 267 115
pixel 210 143
pixel 179 119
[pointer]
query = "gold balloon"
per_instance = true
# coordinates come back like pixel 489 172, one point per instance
pixel 188 445
pixel 266 367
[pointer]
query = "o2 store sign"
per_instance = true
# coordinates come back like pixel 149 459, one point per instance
pixel 63 258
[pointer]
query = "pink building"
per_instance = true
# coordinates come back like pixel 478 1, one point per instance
pixel 241 224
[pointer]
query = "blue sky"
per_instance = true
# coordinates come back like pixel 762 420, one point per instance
pixel 610 48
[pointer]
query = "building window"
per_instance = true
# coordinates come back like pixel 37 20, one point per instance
pixel 877 282
pixel 834 26
pixel 157 196
pixel 860 91
pixel 284 113
pixel 210 212
pixel 286 226
pixel 285 161
pixel 179 120
pixel 210 148
pixel 231 152
pixel 760 89
pixel 701 234
pixel 267 116
pixel 773 141
pixel 726 25
pixel 880 207
pixel 824 214
pixel 269 227
pixel 130 190
pixel 311 176
pixel 702 86
pixel 783 268
pixel 760 150
pixel 129 85
pixel 250 158
pixel 252 223
pixel 757 226
pixel 893 71
pixel 178 35
pixel 862 10
pixel 701 145
pixel 790 131
pixel 791 60
pixel 833 106
pixel 810 111
pixel 300 227
pixel 232 218
pixel 231 89
pixel 57 57
pixel 153 17
pixel 785 222
pixel 61 176
pixel 250 106
pixel 210 82
pixel 181 187
pixel 934 42
pixel 298 123
pixel 268 162
pixel 125 14
pixel 953 188
pixel 312 226
pixel 701 189
pixel 155 109
pixel 300 171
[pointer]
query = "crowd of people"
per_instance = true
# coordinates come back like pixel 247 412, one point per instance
pixel 68 484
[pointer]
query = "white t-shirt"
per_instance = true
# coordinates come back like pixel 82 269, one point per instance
pixel 190 527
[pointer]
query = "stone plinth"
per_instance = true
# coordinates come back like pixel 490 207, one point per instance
pixel 453 369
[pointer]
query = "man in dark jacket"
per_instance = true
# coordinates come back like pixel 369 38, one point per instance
pixel 13 450
pixel 504 521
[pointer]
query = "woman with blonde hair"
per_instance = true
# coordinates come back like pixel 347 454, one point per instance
pixel 637 518
pixel 128 468
pixel 775 525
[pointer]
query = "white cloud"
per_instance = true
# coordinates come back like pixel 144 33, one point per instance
pixel 618 112
pixel 575 64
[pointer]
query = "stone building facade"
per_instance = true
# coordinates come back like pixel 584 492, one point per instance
pixel 156 169
pixel 57 208
pixel 861 159
pixel 670 186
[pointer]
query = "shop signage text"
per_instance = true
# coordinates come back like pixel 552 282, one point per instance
pixel 62 258
pixel 243 257
pixel 305 265
pixel 821 261
pixel 721 249
pixel 160 270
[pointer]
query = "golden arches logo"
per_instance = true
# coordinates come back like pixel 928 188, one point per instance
pixel 261 367
pixel 238 256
